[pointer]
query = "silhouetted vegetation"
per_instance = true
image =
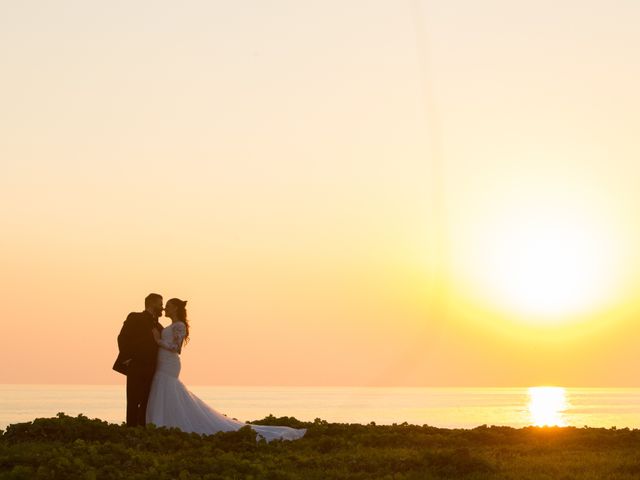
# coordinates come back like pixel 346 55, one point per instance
pixel 80 448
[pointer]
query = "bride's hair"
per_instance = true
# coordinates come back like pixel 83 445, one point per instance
pixel 181 310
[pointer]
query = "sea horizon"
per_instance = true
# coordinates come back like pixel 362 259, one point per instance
pixel 444 407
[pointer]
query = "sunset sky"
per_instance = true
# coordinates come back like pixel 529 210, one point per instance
pixel 371 192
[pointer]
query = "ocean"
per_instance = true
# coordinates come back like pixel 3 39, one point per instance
pixel 440 407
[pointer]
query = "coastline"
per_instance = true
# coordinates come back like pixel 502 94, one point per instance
pixel 442 407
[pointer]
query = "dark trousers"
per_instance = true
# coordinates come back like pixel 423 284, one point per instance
pixel 138 386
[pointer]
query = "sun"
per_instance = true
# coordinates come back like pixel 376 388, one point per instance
pixel 547 265
pixel 550 268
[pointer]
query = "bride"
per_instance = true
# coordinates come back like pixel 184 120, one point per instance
pixel 171 404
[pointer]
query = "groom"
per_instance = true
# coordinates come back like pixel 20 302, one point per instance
pixel 137 357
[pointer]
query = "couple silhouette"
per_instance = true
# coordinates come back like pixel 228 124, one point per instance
pixel 149 356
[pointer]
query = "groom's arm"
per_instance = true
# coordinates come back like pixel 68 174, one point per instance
pixel 126 338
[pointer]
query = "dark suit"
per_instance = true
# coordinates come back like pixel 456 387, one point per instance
pixel 136 342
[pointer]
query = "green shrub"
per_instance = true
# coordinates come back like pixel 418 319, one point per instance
pixel 81 448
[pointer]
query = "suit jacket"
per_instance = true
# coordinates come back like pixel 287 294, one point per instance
pixel 136 343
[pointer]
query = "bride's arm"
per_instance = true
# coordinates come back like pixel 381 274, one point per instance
pixel 161 343
pixel 179 332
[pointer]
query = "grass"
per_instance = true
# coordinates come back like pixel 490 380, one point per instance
pixel 80 448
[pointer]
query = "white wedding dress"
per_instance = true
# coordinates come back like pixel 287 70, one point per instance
pixel 171 404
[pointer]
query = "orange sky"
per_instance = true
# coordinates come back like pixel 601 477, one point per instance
pixel 373 193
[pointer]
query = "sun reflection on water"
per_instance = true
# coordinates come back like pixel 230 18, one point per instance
pixel 547 406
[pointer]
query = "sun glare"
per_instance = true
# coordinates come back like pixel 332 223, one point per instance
pixel 547 406
pixel 548 266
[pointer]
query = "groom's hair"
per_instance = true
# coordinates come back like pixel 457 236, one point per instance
pixel 151 298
